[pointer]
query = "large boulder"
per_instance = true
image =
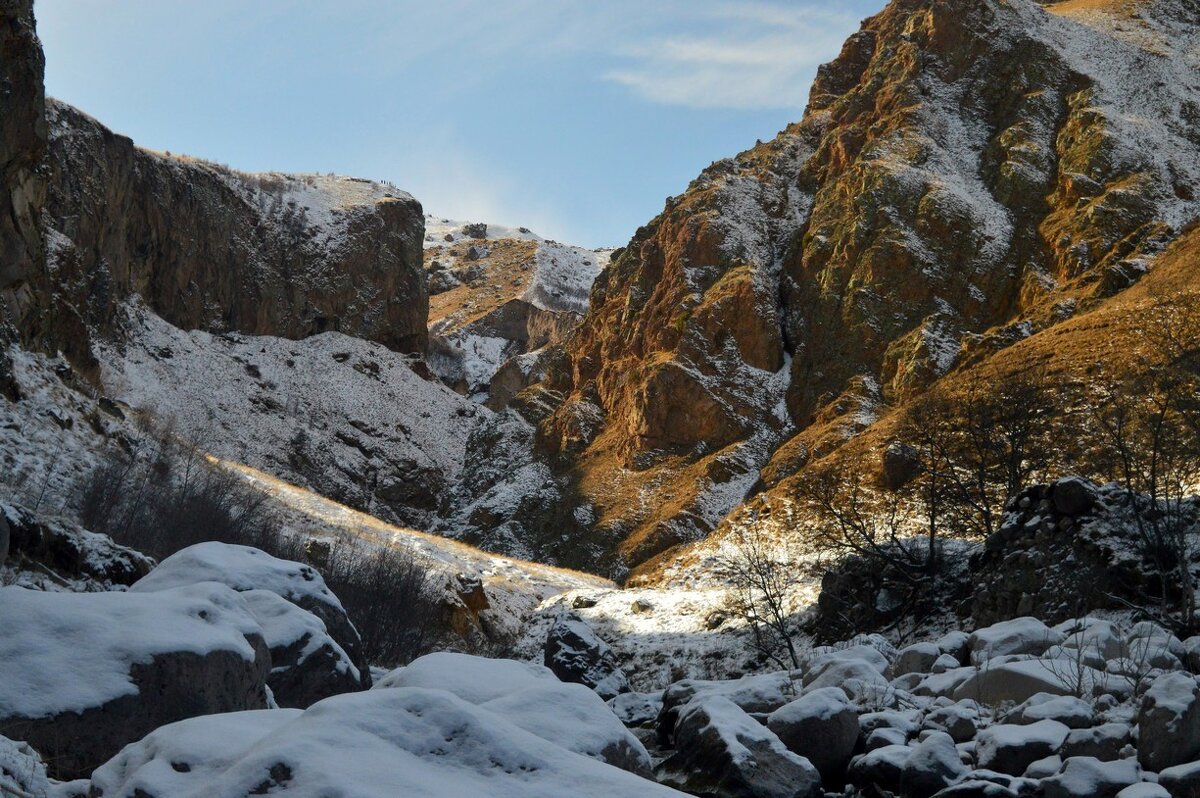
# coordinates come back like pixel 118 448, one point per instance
pixel 577 654
pixel 66 552
pixel 933 765
pixel 723 752
pixel 405 741
pixel 760 694
pixel 1087 777
pixel 1182 781
pixel 530 697
pixel 182 757
pixel 306 663
pixel 85 674
pixel 1018 636
pixel 1021 680
pixel 1009 748
pixel 1169 722
pixel 880 771
pixel 246 568
pixel 821 726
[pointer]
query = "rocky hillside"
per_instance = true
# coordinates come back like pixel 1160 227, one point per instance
pixel 498 297
pixel 966 175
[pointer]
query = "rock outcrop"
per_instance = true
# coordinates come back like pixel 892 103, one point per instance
pixel 210 248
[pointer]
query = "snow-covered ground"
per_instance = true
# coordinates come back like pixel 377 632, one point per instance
pixel 343 415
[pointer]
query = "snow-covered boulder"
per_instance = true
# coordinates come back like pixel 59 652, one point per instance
pixel 182 757
pixel 1021 680
pixel 1010 749
pixel 932 765
pixel 21 770
pixel 1073 712
pixel 821 726
pixel 1144 789
pixel 530 697
pixel 1181 781
pixel 1169 722
pixel 1097 635
pixel 917 658
pixel 1104 742
pixel 577 654
pixel 879 771
pixel 83 560
pixel 1018 636
pixel 977 788
pixel 960 720
pixel 413 741
pixel 81 675
pixel 760 694
pixel 636 709
pixel 473 679
pixel 306 663
pixel 722 751
pixel 246 568
pixel 1088 777
pixel 860 654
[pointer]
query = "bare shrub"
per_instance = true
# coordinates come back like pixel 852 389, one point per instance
pixel 761 579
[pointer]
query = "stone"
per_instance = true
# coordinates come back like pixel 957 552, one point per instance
pixel 880 771
pixel 960 720
pixel 1104 742
pixel 1074 713
pixel 1169 722
pixel 724 752
pixel 1181 781
pixel 758 694
pixel 1087 777
pixel 917 658
pixel 87 673
pixel 22 772
pixel 577 654
pixel 1073 496
pixel 1012 749
pixel 933 765
pixel 1019 636
pixel 1019 681
pixel 637 710
pixel 821 726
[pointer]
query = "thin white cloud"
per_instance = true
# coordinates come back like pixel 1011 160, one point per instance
pixel 750 55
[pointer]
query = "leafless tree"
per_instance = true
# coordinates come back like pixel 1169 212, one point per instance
pixel 760 582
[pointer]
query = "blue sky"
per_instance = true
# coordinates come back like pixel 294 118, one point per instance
pixel 573 118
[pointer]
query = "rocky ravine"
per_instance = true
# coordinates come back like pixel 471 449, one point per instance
pixel 965 175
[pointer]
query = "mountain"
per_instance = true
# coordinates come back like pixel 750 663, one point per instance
pixel 966 175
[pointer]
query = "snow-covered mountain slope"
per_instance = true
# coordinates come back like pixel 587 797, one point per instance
pixel 497 293
pixel 347 417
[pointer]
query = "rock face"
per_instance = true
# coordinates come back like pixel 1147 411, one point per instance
pixel 85 674
pixel 210 248
pixel 576 654
pixel 722 751
pixel 961 168
pixel 22 147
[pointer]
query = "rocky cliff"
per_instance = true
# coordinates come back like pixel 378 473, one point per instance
pixel 210 248
pixel 22 147
pixel 965 175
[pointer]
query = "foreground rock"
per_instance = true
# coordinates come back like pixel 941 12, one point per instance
pixel 530 697
pixel 577 654
pixel 822 727
pixel 499 729
pixel 244 568
pixel 84 674
pixel 722 751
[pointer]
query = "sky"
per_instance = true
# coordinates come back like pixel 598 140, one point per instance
pixel 573 118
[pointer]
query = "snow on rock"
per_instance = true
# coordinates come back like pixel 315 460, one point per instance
pixel 247 568
pixel 1018 636
pixel 414 742
pixel 721 749
pixel 531 697
pixel 933 765
pixel 1088 777
pixel 473 679
pixel 55 553
pixel 306 663
pixel 821 726
pixel 103 669
pixel 1072 711
pixel 22 772
pixel 758 693
pixel 184 756
pixel 1018 681
pixel 577 654
pixel 1011 749
pixel 1169 722
pixel 345 416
